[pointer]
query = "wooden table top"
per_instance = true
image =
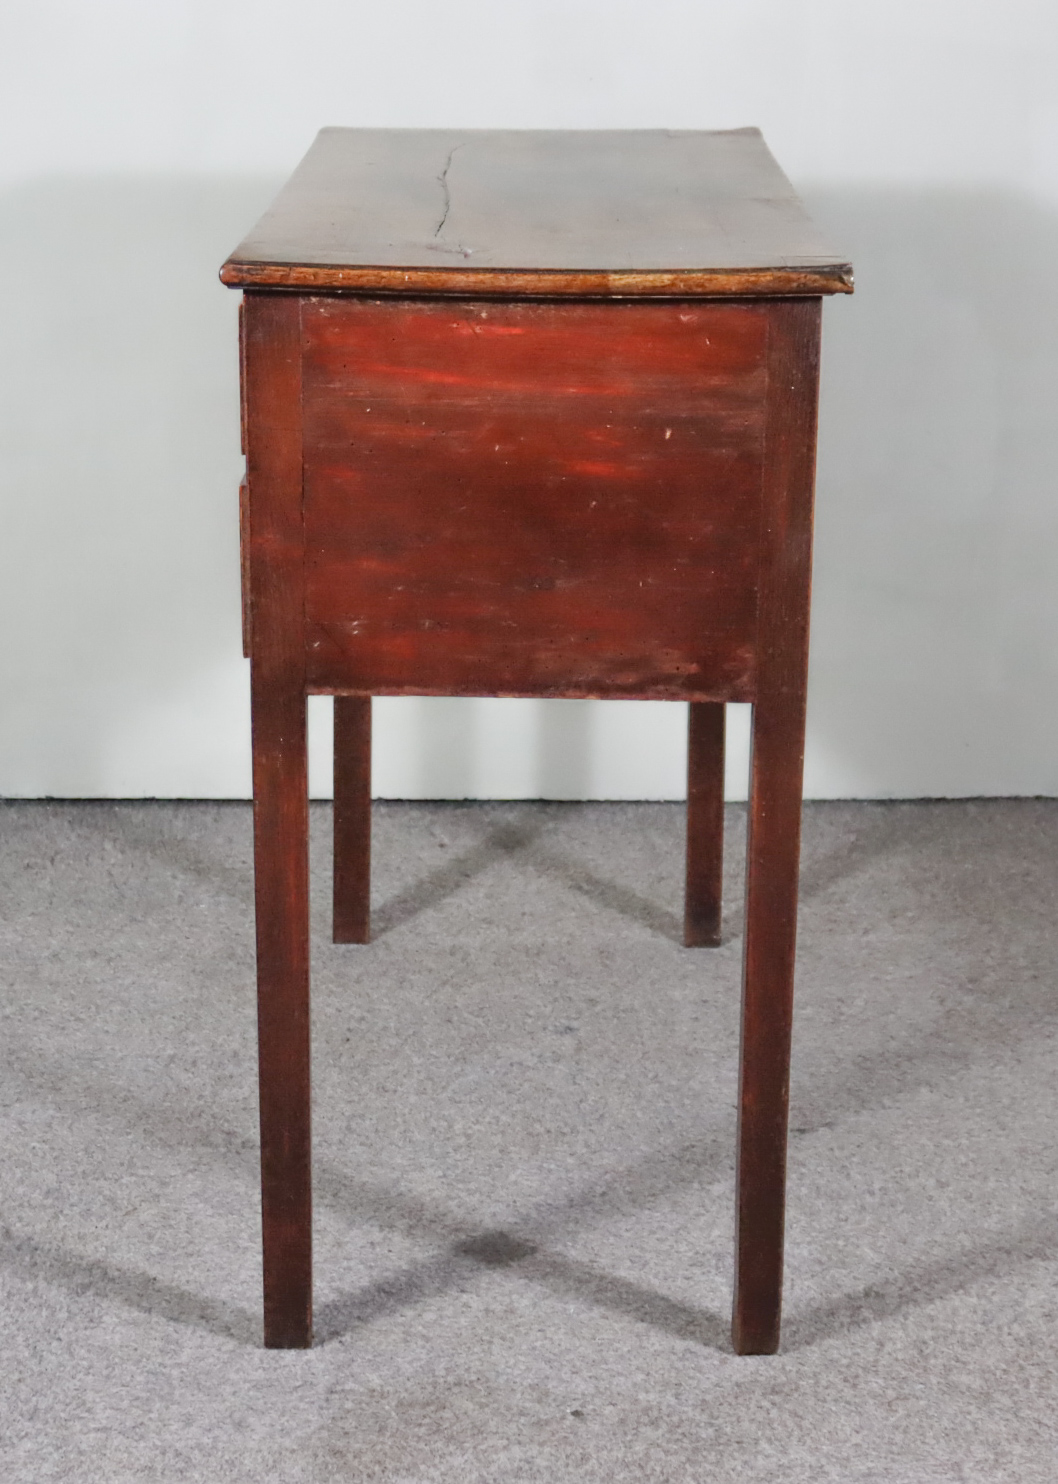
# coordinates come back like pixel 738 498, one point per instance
pixel 629 213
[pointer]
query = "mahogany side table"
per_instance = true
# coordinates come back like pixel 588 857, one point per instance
pixel 529 414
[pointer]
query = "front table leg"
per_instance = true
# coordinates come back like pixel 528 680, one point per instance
pixel 774 841
pixel 281 873
pixel 767 1015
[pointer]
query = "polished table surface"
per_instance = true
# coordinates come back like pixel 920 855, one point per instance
pixel 529 414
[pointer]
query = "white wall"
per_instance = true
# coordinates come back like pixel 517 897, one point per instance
pixel 140 138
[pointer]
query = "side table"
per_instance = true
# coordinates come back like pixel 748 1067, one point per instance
pixel 529 414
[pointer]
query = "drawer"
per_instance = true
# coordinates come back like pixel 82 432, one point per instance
pixel 532 498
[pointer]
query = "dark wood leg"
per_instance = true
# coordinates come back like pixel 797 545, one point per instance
pixel 352 819
pixel 705 824
pixel 281 872
pixel 767 1013
pixel 774 836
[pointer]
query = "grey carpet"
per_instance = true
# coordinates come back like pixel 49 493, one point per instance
pixel 524 1141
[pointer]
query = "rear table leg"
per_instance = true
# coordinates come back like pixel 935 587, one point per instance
pixel 705 824
pixel 352 819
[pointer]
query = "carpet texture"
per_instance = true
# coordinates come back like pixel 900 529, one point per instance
pixel 524 1136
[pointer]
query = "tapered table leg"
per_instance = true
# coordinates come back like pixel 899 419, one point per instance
pixel 282 879
pixel 774 835
pixel 705 824
pixel 767 1015
pixel 352 819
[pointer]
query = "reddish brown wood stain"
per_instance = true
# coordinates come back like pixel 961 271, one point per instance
pixel 530 496
pixel 703 896
pixel 532 499
pixel 272 371
pixel 774 833
pixel 352 819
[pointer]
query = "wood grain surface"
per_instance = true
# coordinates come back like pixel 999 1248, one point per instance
pixel 533 499
pixel 272 371
pixel 773 846
pixel 537 212
pixel 530 414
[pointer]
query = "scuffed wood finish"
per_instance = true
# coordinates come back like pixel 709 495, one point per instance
pixel 705 824
pixel 529 414
pixel 521 213
pixel 272 371
pixel 775 824
pixel 352 819
pixel 512 283
pixel 533 499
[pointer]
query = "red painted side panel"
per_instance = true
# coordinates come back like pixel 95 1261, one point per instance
pixel 533 498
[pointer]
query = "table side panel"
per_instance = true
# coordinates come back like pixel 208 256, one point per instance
pixel 533 498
